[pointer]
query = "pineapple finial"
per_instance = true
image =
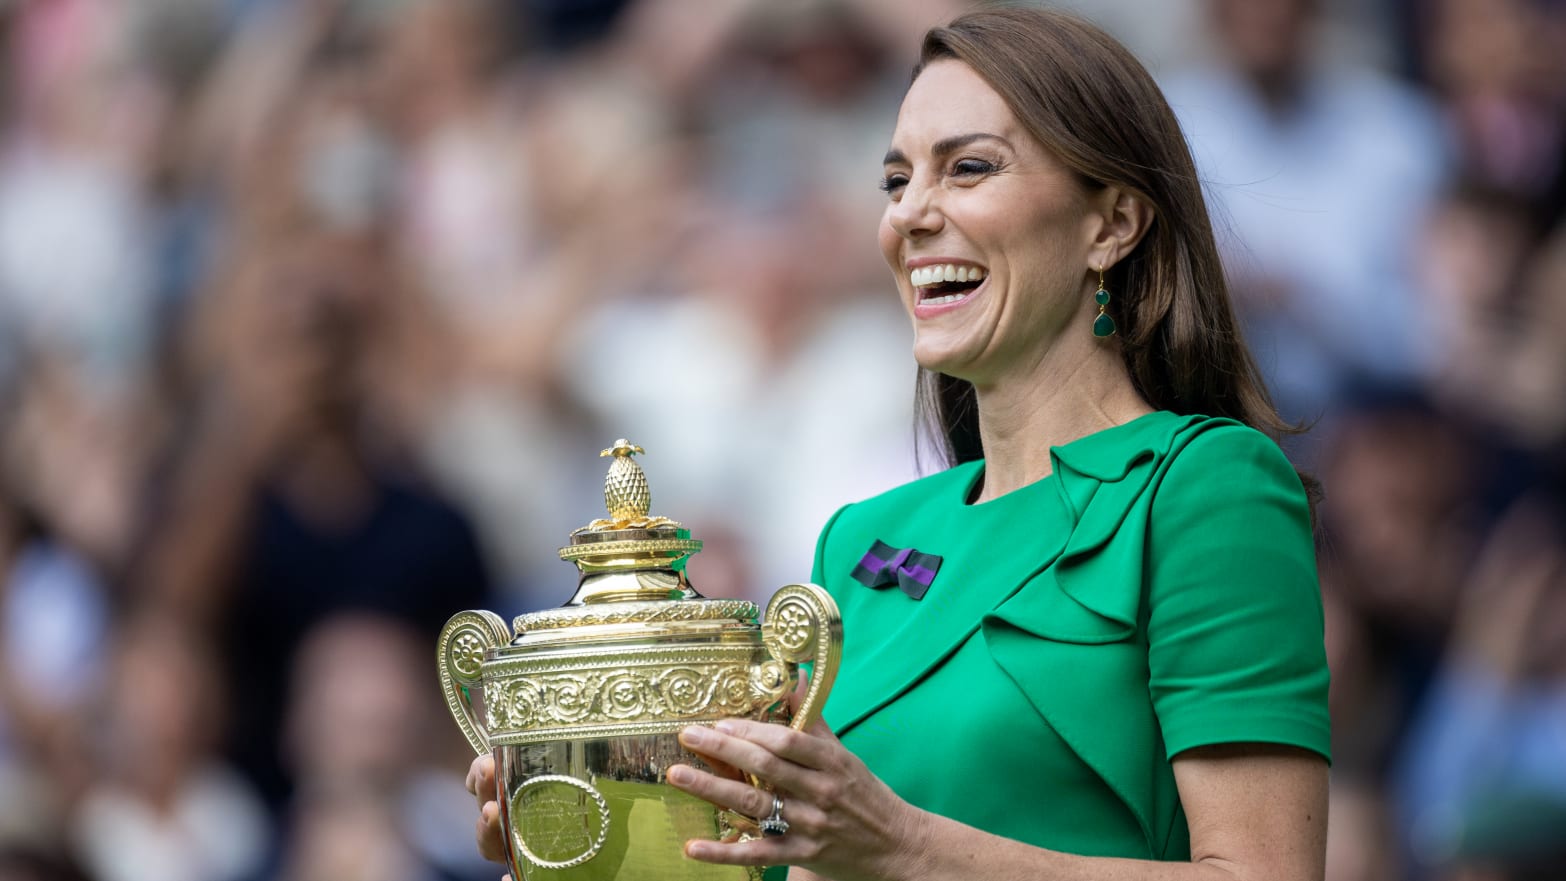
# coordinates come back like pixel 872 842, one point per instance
pixel 622 449
pixel 625 486
pixel 629 541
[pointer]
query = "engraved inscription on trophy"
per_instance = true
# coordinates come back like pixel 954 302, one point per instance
pixel 562 821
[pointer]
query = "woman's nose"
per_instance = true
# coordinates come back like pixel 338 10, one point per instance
pixel 916 214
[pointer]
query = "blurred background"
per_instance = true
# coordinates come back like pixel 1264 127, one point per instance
pixel 314 315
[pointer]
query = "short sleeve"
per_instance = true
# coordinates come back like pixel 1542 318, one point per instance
pixel 1234 627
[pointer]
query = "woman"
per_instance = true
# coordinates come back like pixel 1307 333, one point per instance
pixel 1106 660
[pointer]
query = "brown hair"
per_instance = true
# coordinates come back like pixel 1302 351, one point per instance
pixel 1089 102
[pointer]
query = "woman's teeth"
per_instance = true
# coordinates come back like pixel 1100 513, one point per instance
pixel 936 301
pixel 944 272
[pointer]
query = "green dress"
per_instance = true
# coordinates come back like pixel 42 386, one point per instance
pixel 1157 592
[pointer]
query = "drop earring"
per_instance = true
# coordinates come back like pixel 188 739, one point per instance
pixel 1103 325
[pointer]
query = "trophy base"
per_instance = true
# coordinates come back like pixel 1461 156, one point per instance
pixel 600 809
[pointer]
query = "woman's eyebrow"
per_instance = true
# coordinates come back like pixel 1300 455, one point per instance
pixel 944 147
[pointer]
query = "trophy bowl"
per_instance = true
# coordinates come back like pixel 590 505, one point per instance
pixel 581 706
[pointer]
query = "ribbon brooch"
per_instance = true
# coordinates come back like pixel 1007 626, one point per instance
pixel 884 565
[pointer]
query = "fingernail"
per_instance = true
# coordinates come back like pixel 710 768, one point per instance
pixel 680 774
pixel 726 726
pixel 695 735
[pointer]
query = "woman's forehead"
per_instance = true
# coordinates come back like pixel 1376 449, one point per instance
pixel 949 97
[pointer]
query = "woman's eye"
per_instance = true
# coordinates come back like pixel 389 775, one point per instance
pixel 893 182
pixel 972 167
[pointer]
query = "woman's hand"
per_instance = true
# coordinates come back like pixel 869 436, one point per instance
pixel 481 783
pixel 843 822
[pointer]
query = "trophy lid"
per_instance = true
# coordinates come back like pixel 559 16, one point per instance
pixel 632 563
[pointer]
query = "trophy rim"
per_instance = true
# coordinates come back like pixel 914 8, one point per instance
pixel 640 612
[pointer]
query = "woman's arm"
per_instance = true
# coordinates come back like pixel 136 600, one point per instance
pixel 1256 813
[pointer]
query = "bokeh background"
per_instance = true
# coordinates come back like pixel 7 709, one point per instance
pixel 314 315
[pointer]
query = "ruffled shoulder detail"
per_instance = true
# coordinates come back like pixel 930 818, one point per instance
pixel 1102 479
pixel 1068 638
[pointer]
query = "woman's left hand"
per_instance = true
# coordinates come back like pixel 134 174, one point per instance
pixel 843 822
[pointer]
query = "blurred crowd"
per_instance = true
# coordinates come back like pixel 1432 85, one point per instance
pixel 314 315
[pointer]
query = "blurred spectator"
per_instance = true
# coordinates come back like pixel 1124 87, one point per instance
pixel 1400 526
pixel 1500 72
pixel 291 499
pixel 369 741
pixel 349 835
pixel 69 177
pixel 1494 726
pixel 162 806
pixel 1322 171
pixel 1473 254
pixel 54 620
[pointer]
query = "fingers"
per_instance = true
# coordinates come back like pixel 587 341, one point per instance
pixel 487 831
pixel 743 754
pixel 755 852
pixel 733 795
pixel 724 769
pixel 490 836
pixel 798 846
pixel 481 779
pixel 737 740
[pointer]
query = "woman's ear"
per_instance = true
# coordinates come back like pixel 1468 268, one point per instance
pixel 1126 217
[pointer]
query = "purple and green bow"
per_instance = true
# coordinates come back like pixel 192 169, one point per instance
pixel 884 566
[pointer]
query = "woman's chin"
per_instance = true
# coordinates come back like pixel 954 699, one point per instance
pixel 952 361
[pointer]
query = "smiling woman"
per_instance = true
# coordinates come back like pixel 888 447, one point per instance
pixel 1105 660
pixel 969 186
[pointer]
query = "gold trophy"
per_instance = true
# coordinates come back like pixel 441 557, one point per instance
pixel 582 706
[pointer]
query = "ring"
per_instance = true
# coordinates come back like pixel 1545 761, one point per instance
pixel 774 825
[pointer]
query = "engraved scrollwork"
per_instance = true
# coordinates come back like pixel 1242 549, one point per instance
pixel 523 703
pixel 632 688
pixel 686 691
pixel 733 692
pixel 571 698
pixel 624 696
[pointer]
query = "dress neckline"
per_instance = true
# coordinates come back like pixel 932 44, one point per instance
pixel 1126 432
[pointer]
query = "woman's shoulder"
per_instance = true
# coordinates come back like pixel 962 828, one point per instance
pixel 1185 450
pixel 1218 458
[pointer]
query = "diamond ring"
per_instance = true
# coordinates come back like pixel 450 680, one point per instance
pixel 774 825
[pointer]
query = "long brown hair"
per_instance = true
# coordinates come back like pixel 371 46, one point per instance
pixel 1089 102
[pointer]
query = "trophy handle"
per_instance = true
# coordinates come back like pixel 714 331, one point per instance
pixel 802 623
pixel 464 642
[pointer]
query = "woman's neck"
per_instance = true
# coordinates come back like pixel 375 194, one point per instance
pixel 1059 400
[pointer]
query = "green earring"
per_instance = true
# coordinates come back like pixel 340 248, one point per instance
pixel 1103 325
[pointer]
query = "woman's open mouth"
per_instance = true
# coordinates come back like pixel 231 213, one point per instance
pixel 940 284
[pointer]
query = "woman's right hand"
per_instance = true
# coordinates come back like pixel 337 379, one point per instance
pixel 481 783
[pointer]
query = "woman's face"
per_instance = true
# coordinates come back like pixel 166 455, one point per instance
pixel 973 193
